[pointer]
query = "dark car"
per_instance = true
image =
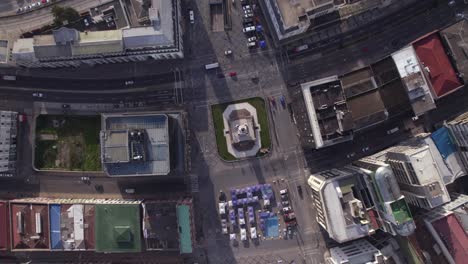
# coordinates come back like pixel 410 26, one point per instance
pixel 299 191
pixel 283 101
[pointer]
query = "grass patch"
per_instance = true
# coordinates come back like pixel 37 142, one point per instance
pixel 217 112
pixel 77 144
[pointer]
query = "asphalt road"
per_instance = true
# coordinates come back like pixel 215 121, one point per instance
pixel 201 89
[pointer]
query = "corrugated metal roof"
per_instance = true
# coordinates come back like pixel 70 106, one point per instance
pixel 55 236
pixel 454 236
pixel 183 218
pixel 441 73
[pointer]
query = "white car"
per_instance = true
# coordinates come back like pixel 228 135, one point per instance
pixel 253 232
pixel 248 29
pixel 192 17
pixel 38 95
pixel 252 39
pixel 243 234
pixel 251 44
pixel 222 208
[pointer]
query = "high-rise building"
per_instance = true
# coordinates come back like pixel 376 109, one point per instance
pixel 394 215
pixel 458 128
pixel 341 199
pixel 355 252
pixel 416 171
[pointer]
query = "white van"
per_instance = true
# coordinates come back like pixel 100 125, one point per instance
pixel 192 17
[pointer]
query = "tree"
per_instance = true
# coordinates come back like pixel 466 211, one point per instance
pixel 62 14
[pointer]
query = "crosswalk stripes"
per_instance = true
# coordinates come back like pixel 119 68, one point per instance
pixel 194 183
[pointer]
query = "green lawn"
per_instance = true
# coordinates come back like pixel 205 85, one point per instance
pixel 217 112
pixel 77 145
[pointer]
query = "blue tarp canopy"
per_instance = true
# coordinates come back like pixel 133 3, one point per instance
pixel 443 142
pixel 55 237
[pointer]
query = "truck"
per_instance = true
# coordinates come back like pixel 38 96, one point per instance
pixel 212 66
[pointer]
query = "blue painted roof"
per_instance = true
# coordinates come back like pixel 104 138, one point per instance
pixel 55 237
pixel 443 142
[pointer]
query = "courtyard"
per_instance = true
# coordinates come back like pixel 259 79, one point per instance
pixel 67 143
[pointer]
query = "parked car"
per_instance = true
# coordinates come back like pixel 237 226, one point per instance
pixel 251 45
pixel 248 29
pixel 299 191
pixel 252 39
pixel 192 17
pixel 243 234
pixel 283 101
pixel 130 190
pixel 224 227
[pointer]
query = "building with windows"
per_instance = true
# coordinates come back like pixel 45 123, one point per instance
pixel 458 129
pixel 394 215
pixel 414 80
pixel 355 252
pixel 293 22
pixel 118 33
pixel 448 225
pixel 342 201
pixel 8 133
pixel 420 178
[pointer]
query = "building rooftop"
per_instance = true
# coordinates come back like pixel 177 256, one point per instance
pixel 167 225
pixel 414 80
pixel 454 236
pixel 30 226
pixel 437 65
pixel 344 215
pixel 72 226
pixel 329 117
pixel 456 38
pixel 139 146
pixel 118 228
pixel 355 252
pixel 160 229
pixel 4 226
pixel 367 109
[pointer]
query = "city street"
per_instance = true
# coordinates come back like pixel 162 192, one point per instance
pixel 187 85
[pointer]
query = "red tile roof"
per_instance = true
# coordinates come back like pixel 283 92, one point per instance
pixel 454 237
pixel 442 75
pixel 3 225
